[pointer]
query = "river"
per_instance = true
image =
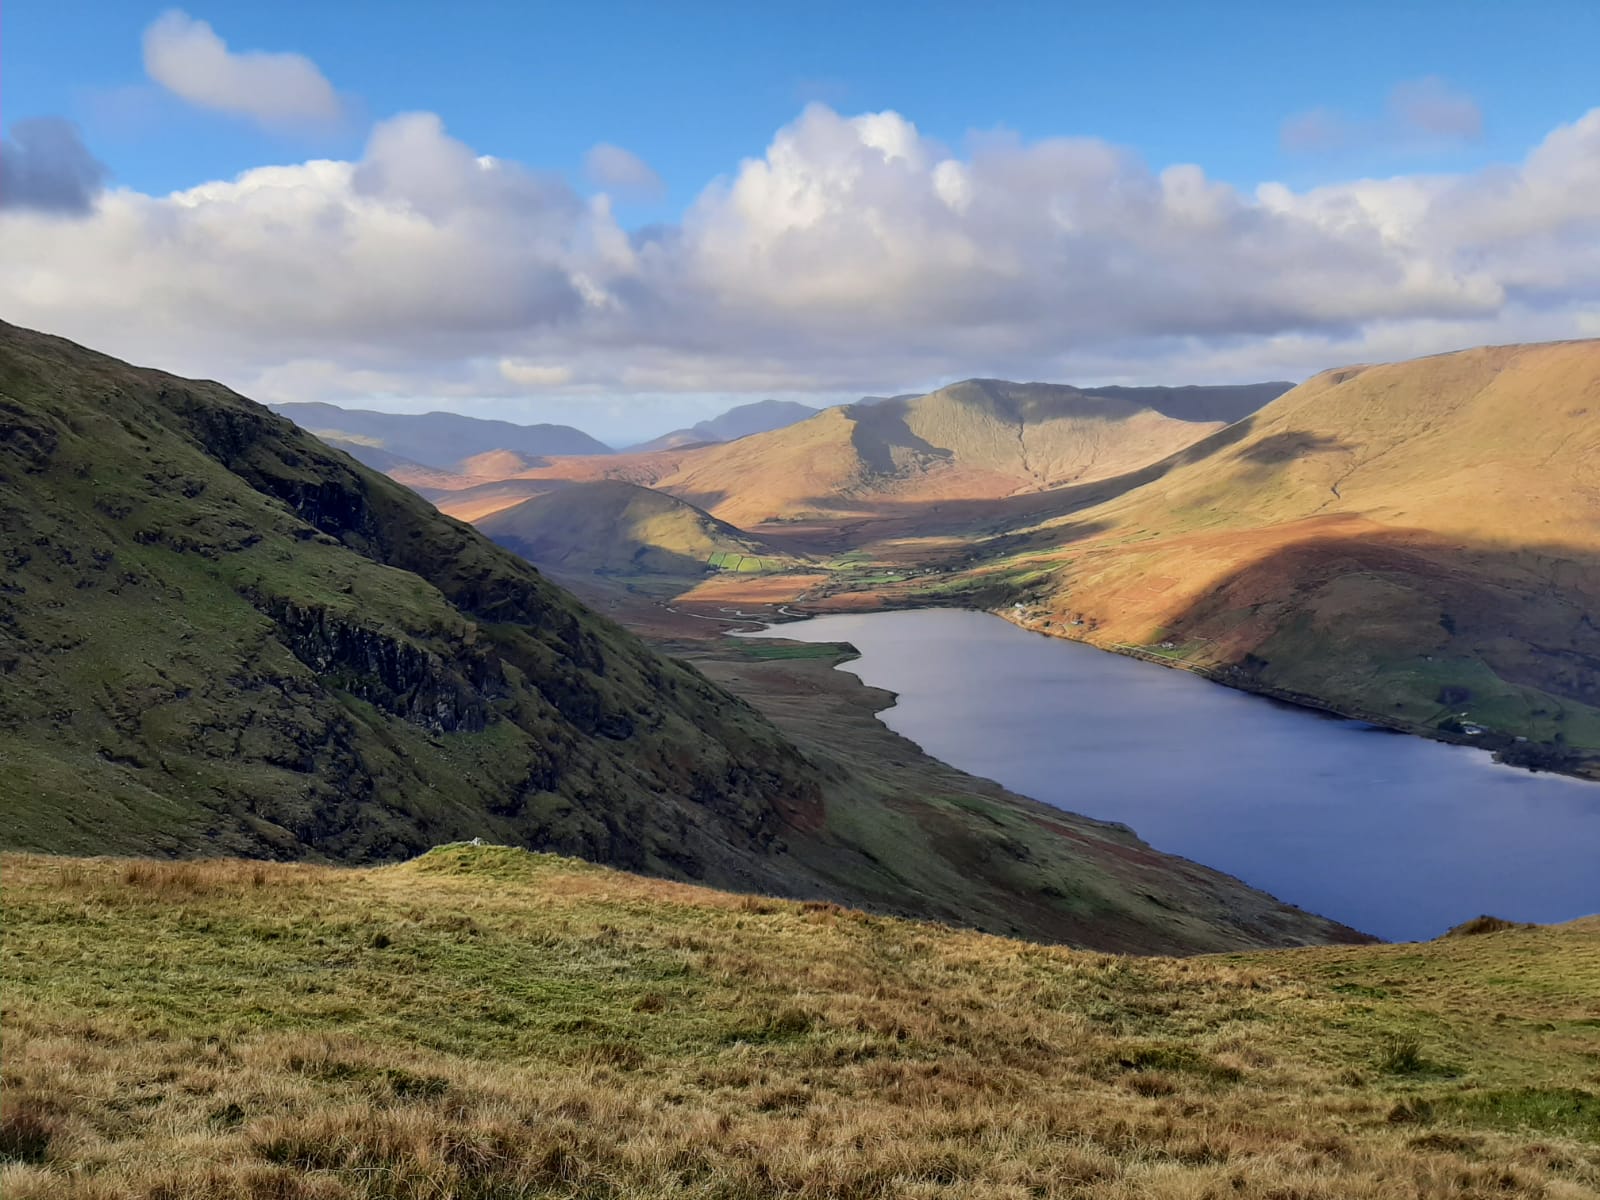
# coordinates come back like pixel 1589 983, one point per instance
pixel 1396 835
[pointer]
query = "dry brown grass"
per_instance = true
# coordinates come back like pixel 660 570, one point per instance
pixel 539 1028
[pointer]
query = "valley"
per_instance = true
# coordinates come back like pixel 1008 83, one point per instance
pixel 220 636
pixel 628 601
pixel 1376 542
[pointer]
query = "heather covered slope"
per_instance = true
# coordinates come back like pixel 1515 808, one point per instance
pixel 483 1022
pixel 218 635
pixel 610 527
pixel 1417 541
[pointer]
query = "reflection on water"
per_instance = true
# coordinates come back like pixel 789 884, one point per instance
pixel 1395 835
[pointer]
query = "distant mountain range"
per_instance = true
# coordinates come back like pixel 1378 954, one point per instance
pixel 439 440
pixel 976 440
pixel 479 449
pixel 760 417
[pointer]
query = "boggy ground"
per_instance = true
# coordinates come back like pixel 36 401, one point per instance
pixel 484 1022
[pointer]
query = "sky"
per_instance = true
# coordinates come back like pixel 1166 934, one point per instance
pixel 630 216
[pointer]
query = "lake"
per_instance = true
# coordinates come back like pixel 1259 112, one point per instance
pixel 1396 835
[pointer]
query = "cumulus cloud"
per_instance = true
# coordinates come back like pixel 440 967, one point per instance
pixel 621 171
pixel 186 57
pixel 45 166
pixel 855 254
pixel 1419 114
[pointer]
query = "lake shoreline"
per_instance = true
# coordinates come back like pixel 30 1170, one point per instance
pixel 1387 835
pixel 1503 749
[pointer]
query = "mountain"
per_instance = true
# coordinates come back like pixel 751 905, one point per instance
pixel 980 439
pixel 437 439
pixel 977 441
pixel 760 417
pixel 220 636
pixel 1226 403
pixel 613 527
pixel 1417 542
pixel 482 1022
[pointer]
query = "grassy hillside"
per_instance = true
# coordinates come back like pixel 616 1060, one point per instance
pixel 217 635
pixel 615 528
pixel 1417 542
pixel 489 1023
pixel 215 632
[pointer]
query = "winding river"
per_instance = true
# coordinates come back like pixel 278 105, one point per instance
pixel 1396 835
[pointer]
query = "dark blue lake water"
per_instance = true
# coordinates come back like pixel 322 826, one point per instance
pixel 1396 835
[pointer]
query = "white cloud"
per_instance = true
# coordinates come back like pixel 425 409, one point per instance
pixel 621 171
pixel 854 255
pixel 186 57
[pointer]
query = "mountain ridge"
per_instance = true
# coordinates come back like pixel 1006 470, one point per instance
pixel 740 421
pixel 436 439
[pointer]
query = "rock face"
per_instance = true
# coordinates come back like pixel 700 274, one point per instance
pixel 217 633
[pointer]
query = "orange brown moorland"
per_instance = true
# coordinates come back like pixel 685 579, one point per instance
pixel 484 1022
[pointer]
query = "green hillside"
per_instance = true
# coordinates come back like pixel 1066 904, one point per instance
pixel 482 1023
pixel 220 634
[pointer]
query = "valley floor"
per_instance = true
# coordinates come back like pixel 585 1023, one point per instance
pixel 484 1022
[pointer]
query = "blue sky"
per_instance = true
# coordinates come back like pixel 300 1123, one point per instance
pixel 693 87
pixel 1310 96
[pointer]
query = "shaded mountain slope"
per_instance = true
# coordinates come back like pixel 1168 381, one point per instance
pixel 437 439
pixel 219 635
pixel 1418 542
pixel 613 527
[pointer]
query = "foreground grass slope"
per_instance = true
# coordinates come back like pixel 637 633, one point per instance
pixel 482 1022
